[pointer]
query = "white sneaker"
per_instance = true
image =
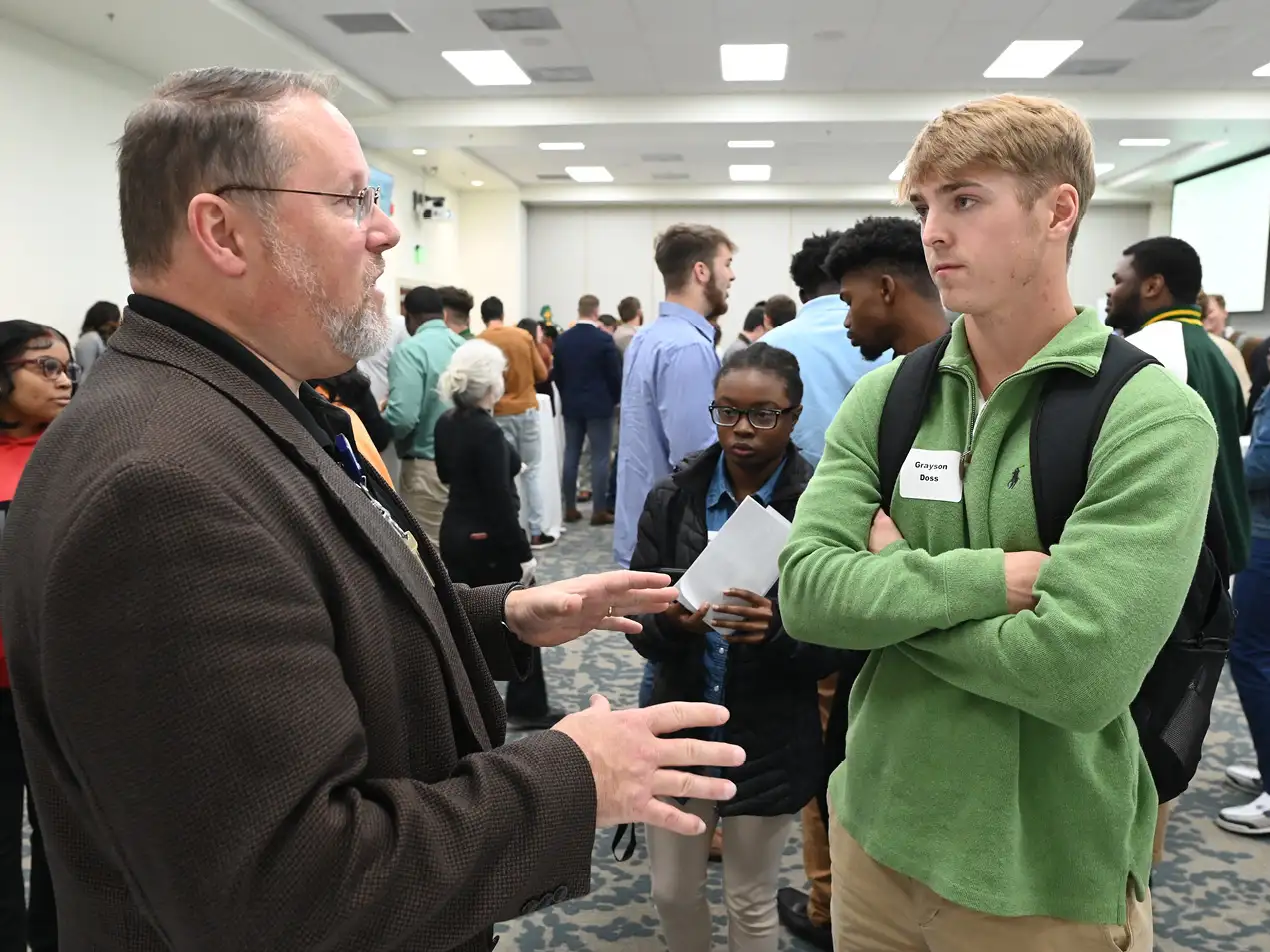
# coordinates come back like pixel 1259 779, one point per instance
pixel 1245 778
pixel 1250 820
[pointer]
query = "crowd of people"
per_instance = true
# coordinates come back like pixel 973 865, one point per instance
pixel 304 605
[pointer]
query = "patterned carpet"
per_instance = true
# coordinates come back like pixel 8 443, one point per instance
pixel 1212 893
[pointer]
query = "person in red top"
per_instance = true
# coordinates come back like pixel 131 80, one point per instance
pixel 37 377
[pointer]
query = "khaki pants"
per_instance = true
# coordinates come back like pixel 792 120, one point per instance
pixel 876 909
pixel 751 868
pixel 424 495
pixel 815 837
pixel 1161 828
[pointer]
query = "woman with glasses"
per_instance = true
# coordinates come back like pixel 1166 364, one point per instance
pixel 745 661
pixel 37 376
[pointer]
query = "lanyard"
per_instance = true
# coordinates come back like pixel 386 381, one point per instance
pixel 348 460
pixel 1183 315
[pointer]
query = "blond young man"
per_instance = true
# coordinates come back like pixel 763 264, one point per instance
pixel 994 795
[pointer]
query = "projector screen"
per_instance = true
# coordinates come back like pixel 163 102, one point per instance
pixel 1225 216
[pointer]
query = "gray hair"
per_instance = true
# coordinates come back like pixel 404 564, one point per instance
pixel 201 130
pixel 475 369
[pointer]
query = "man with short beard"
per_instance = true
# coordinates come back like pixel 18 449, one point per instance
pixel 668 374
pixel 256 711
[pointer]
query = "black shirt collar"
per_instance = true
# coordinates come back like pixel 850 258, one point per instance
pixel 310 408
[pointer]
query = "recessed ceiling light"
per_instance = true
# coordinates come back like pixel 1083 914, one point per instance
pixel 1262 70
pixel 1102 168
pixel 749 173
pixel 419 151
pixel 588 173
pixel 477 183
pixel 753 62
pixel 1145 143
pixel 1031 59
pixel 751 144
pixel 898 172
pixel 561 146
pixel 487 67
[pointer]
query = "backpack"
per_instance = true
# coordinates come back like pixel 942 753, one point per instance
pixel 1172 707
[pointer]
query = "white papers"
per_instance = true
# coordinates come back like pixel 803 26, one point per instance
pixel 742 554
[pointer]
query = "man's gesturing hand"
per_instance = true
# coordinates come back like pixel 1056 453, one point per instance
pixel 633 766
pixel 553 614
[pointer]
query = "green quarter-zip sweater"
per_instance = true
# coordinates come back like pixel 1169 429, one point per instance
pixel 991 756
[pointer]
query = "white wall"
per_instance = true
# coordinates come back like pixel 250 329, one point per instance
pixel 60 112
pixel 492 240
pixel 436 262
pixel 608 250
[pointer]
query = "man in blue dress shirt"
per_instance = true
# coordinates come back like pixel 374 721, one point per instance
pixel 668 376
pixel 829 363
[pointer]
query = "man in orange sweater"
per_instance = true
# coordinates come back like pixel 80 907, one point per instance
pixel 517 412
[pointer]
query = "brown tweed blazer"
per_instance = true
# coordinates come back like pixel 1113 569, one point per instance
pixel 252 723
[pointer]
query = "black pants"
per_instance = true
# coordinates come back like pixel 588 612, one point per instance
pixel 480 562
pixel 20 925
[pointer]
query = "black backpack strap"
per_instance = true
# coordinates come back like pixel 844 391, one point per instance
pixel 903 411
pixel 1072 404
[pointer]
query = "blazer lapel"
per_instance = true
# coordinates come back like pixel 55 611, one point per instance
pixel 423 580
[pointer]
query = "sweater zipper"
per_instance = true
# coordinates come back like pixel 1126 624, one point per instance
pixel 972 388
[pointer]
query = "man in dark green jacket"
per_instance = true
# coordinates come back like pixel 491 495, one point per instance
pixel 1152 301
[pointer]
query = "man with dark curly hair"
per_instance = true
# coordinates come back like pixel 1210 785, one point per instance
pixel 879 267
pixel 830 363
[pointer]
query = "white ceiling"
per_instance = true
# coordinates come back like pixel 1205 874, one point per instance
pixel 863 76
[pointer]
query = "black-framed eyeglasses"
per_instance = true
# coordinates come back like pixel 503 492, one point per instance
pixel 365 200
pixel 50 367
pixel 762 418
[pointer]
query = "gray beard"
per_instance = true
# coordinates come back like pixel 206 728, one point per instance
pixel 356 333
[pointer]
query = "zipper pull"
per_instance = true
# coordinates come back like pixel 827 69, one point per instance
pixel 965 462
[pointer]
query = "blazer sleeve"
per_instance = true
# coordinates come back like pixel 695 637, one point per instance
pixel 227 763
pixel 507 657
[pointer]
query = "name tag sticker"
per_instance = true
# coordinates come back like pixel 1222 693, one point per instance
pixel 931 474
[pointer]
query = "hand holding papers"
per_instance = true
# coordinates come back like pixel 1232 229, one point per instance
pixel 742 555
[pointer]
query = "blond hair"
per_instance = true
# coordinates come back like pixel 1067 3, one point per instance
pixel 1040 141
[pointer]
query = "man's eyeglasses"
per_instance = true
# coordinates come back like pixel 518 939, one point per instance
pixel 764 418
pixel 50 367
pixel 365 200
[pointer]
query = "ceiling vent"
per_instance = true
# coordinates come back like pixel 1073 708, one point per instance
pixel 670 176
pixel 1166 9
pixel 561 74
pixel 662 157
pixel 515 19
pixel 1091 67
pixel 359 24
pixel 553 177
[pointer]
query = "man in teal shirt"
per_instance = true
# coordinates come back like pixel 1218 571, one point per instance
pixel 414 406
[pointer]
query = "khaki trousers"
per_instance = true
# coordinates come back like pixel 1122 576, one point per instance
pixel 1161 828
pixel 752 848
pixel 815 837
pixel 876 909
pixel 424 495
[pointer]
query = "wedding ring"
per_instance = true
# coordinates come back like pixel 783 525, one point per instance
pixel 610 614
